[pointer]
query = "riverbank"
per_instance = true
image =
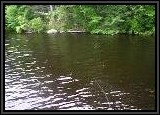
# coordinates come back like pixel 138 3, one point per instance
pixel 53 31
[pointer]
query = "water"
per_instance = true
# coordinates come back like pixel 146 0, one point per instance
pixel 79 72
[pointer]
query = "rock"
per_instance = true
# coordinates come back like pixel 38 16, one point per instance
pixel 52 31
pixel 61 31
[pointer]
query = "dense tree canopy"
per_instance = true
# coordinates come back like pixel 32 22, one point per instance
pixel 100 19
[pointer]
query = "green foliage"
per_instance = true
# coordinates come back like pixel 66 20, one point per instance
pixel 99 19
pixel 21 18
pixel 139 19
pixel 11 18
pixel 22 24
pixel 107 19
pixel 60 18
pixel 36 25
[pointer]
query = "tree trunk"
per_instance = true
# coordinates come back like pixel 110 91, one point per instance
pixel 51 8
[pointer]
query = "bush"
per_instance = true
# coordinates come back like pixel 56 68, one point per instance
pixel 21 18
pixel 36 25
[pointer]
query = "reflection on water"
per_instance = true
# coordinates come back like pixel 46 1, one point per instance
pixel 79 72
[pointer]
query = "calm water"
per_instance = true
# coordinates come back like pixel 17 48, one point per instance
pixel 79 72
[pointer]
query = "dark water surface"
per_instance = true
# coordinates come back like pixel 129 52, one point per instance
pixel 79 72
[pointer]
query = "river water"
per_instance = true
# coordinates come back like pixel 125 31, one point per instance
pixel 79 72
